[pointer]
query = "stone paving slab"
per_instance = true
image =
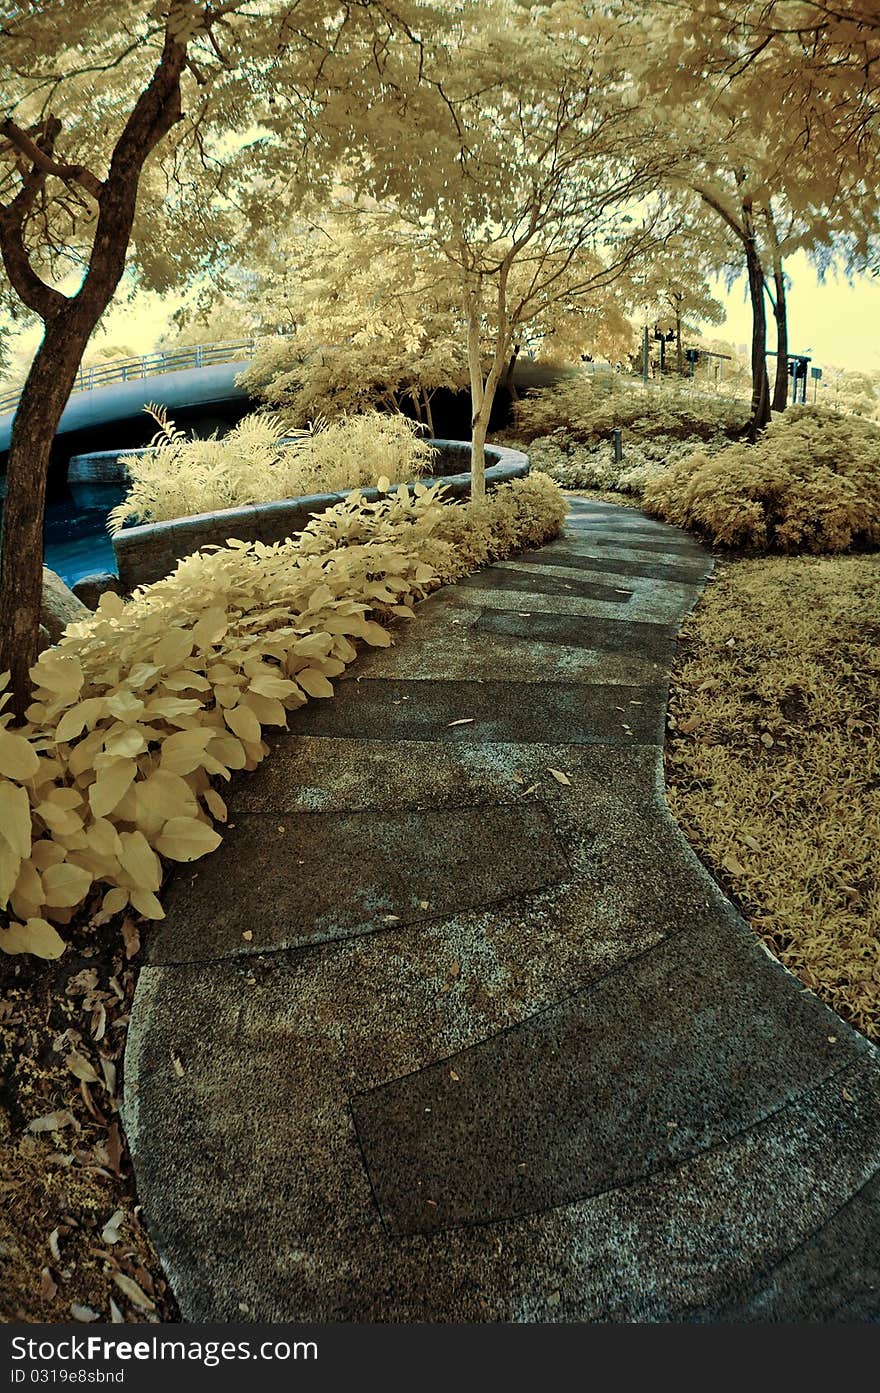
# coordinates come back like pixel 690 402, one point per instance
pixel 702 1135
pixel 574 558
pixel 834 1273
pixel 655 1063
pixel 308 773
pixel 278 880
pixel 646 608
pixel 599 634
pixel 504 712
pixel 493 578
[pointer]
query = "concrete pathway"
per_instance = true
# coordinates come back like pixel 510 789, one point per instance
pixel 438 1035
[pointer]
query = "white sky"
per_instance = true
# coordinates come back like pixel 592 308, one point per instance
pixel 837 322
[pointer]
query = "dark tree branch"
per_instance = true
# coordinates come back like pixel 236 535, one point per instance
pixel 68 173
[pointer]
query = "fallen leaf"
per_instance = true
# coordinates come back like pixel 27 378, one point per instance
pixel 110 1231
pixel 731 864
pixel 80 1066
pixel 456 1078
pixel 108 1069
pixel 90 1103
pixel 48 1285
pixel 113 1148
pixel 51 1121
pixel 83 1313
pixel 177 1064
pixel 129 1288
pixel 131 937
pixel 559 776
pixel 248 935
pixel 464 721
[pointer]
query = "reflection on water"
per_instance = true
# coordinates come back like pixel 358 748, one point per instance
pixel 77 540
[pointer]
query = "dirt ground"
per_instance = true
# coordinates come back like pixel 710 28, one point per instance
pixel 72 1244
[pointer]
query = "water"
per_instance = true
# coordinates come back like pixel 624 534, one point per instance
pixel 76 538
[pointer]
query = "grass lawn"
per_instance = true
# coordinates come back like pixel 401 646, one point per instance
pixel 773 761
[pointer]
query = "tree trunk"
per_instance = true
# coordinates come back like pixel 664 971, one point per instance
pixel 478 457
pixel 429 415
pixel 42 402
pixel 679 351
pixel 780 314
pixel 69 323
pixel 508 382
pixel 479 424
pixel 760 382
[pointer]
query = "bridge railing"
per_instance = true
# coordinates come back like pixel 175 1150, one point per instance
pixel 201 355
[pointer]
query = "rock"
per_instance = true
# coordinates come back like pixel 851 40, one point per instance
pixel 44 639
pixel 60 606
pixel 91 587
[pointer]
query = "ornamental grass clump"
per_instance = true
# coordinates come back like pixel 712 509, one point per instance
pixel 141 711
pixel 261 460
pixel 810 484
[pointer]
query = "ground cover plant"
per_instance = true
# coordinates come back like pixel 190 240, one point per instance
pixel 568 430
pixel 589 406
pixel 261 460
pixel 811 483
pixel 773 762
pixel 138 711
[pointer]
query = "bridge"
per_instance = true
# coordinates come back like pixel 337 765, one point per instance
pixel 197 386
pixel 108 399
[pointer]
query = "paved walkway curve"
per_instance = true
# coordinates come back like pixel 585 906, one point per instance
pixel 498 1049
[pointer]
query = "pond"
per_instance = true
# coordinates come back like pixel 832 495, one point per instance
pixel 76 538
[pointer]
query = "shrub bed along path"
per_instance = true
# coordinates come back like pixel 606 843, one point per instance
pixel 455 1027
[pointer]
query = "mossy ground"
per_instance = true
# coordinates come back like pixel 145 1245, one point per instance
pixel 773 761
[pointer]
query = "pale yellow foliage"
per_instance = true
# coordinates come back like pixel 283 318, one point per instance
pixel 811 483
pixel 259 461
pixel 589 406
pixel 773 762
pixel 140 709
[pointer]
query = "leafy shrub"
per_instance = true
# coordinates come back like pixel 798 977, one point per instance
pixel 375 372
pixel 139 710
pixel 258 463
pixel 590 406
pixel 811 483
pixel 575 466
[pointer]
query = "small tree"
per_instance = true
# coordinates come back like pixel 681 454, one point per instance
pixel 532 155
pixel 371 316
pixel 786 96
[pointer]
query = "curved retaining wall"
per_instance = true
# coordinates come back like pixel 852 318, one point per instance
pixel 147 553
